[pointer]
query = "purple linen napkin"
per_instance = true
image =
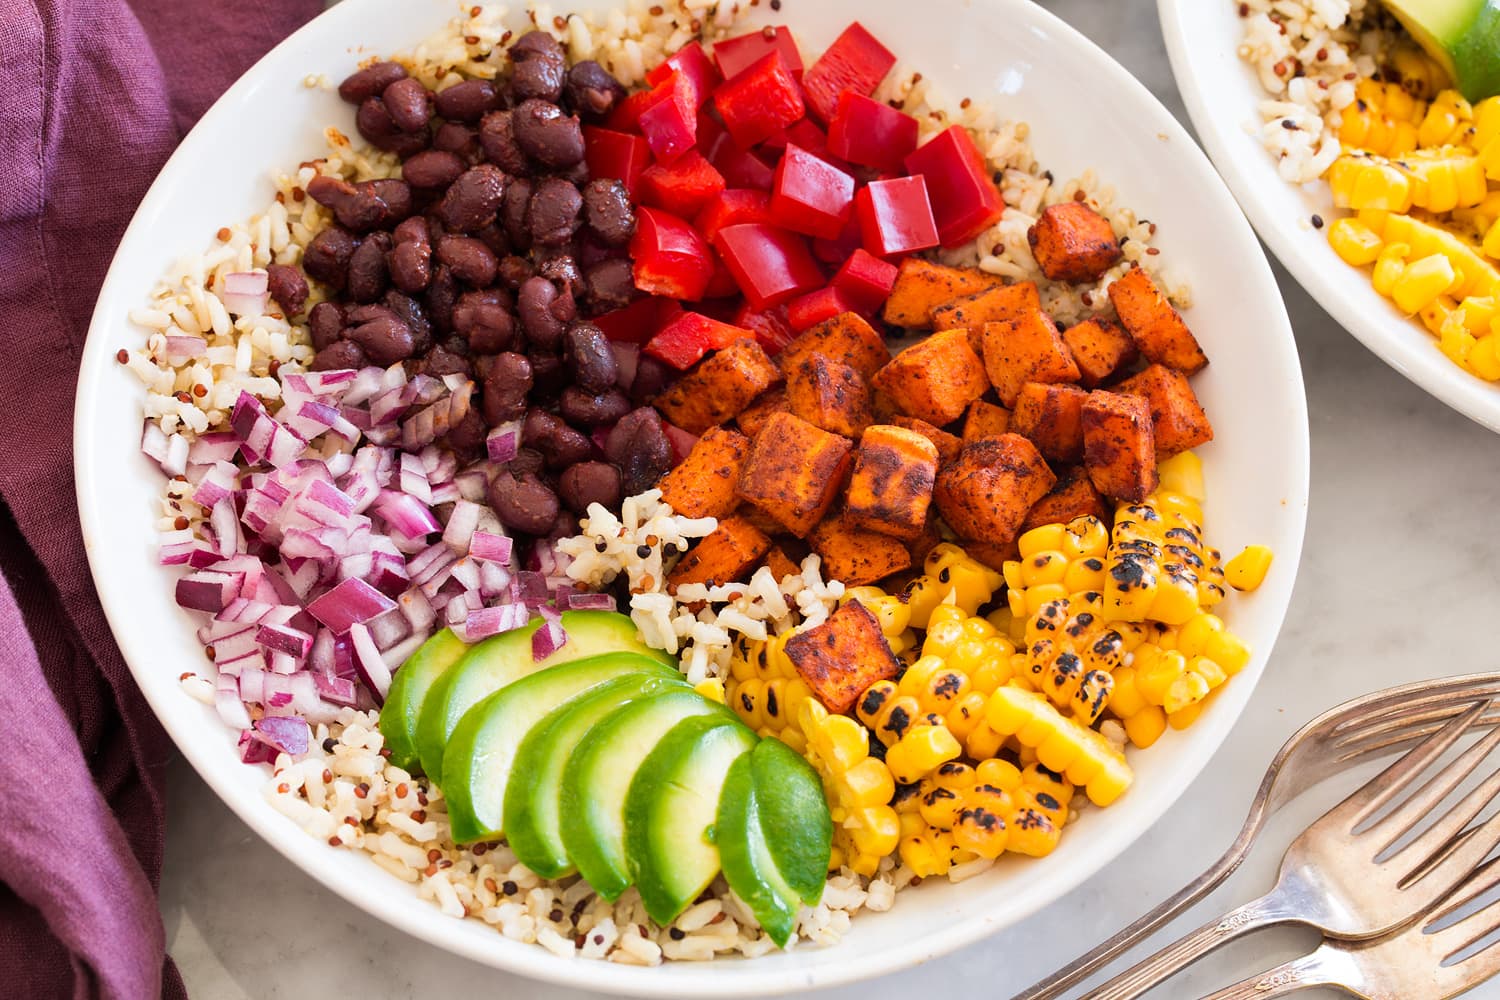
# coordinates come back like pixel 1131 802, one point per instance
pixel 94 95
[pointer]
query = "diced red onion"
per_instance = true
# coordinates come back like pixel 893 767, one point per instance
pixel 208 590
pixel 213 446
pixel 462 523
pixel 218 482
pixel 254 751
pixel 388 573
pixel 418 609
pixel 489 546
pixel 246 293
pixel 339 690
pixel 181 349
pixel 465 572
pixel 285 639
pixel 154 441
pixel 486 622
pixel 406 515
pixel 389 628
pixel 286 733
pixel 282 663
pixel 548 638
pixel 472 484
pixel 398 654
pixel 534 591
pixel 591 602
pixel 348 603
pixel 372 669
pixel 228 704
pixel 413 479
pixel 495 580
pixel 184 553
pixel 502 443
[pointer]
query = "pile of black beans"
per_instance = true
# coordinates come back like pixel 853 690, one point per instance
pixel 486 259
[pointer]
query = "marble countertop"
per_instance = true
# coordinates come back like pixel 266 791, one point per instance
pixel 1398 547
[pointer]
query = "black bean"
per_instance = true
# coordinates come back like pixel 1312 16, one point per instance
pixel 468 258
pixel 451 137
pixel 527 460
pixel 357 210
pixel 288 287
pixel 440 361
pixel 550 374
pixel 384 337
pixel 498 141
pixel 639 446
pixel 513 212
pixel 552 213
pixel 467 437
pixel 374 122
pixel 587 409
pixel 472 199
pixel 651 379
pixel 442 293
pixel 560 444
pixel 412 230
pixel 326 257
pixel 433 169
pixel 591 90
pixel 609 284
pixel 506 383
pixel 540 77
pixel 367 271
pixel 547 135
pixel 410 266
pixel 608 213
pixel 409 104
pixel 325 322
pixel 535 43
pixel 370 81
pixel 467 101
pixel 485 320
pixel 523 503
pixel 394 193
pixel 410 312
pixel 544 312
pixel 515 270
pixel 340 354
pixel 588 483
pixel 593 361
pixel 562 270
pixel 494 237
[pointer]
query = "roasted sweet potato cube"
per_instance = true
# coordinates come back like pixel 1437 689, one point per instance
pixel 759 518
pixel 829 394
pixel 724 555
pixel 1071 242
pixel 1100 349
pixel 780 564
pixel 1025 349
pixel 1073 496
pixel 1052 417
pixel 993 305
pixel 846 338
pixel 947 445
pixel 993 554
pixel 922 286
pixel 753 417
pixel 1154 325
pixel 890 488
pixel 1119 449
pixel 720 387
pixel 841 657
pixel 985 494
pixel 985 420
pixel 703 485
pixel 924 543
pixel 935 379
pixel 1177 419
pixel 794 472
pixel 856 555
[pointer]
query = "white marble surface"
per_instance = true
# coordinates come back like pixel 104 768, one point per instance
pixel 1401 560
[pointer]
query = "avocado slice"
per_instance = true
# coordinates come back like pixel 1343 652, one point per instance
pixel 1462 35
pixel 533 807
pixel 598 776
pixel 498 660
pixel 481 753
pixel 747 860
pixel 670 812
pixel 403 703
pixel 794 817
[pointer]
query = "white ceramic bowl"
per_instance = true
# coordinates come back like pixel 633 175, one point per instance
pixel 1085 111
pixel 1221 93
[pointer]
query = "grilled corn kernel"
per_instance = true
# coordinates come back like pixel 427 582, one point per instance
pixel 1421 282
pixel 920 752
pixel 1146 726
pixel 1181 474
pixel 1448 121
pixel 712 689
pixel 1442 179
pixel 1079 547
pixel 1061 744
pixel 949 570
pixel 1419 73
pixel 1155 558
pixel 1354 242
pixel 859 788
pixel 1389 267
pixel 1383 119
pixel 1484 357
pixel 1360 180
pixel 1070 653
pixel 890 611
pixel 1247 570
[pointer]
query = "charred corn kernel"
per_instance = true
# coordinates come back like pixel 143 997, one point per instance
pixel 1390 98
pixel 1421 282
pixel 1423 238
pixel 1389 267
pixel 1380 122
pixel 983 742
pixel 935 685
pixel 1061 744
pixel 1056 560
pixel 1354 242
pixel 1146 726
pixel 889 714
pixel 893 614
pixel 1186 716
pixel 765 690
pixel 1247 570
pixel 1156 556
pixel 1181 474
pixel 920 752
pixel 965 714
pixel 1486 121
pixel 1456 342
pixel 928 853
pixel 1448 121
pixel 1484 357
pixel 1441 179
pixel 949 570
pixel 712 689
pixel 1418 72
pixel 998 772
pixel 859 788
pixel 1361 180
pixel 1439 314
pixel 1070 652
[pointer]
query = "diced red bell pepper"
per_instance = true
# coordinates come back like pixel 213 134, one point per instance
pixel 855 63
pixel 770 264
pixel 895 216
pixel 771 327
pixel 810 195
pixel 681 441
pixel 809 310
pixel 740 167
pixel 670 121
pixel 722 285
pixel 615 155
pixel 682 342
pixel 804 133
pixel 871 134
pixel 965 200
pixel 730 208
pixel 838 249
pixel 626 117
pixel 683 186
pixel 866 281
pixel 639 321
pixel 759 101
pixel 734 55
pixel 670 257
pixel 694 64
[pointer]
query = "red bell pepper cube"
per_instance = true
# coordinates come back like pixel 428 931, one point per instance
pixel 735 55
pixel 695 65
pixel 804 133
pixel 626 117
pixel 895 216
pixel 810 195
pixel 730 208
pixel 721 286
pixel 807 311
pixel 855 63
pixel 639 321
pixel 759 101
pixel 670 121
pixel 683 341
pixel 965 200
pixel 770 327
pixel 670 257
pixel 838 249
pixel 681 187
pixel 871 134
pixel 770 264
pixel 615 155
pixel 740 167
pixel 866 281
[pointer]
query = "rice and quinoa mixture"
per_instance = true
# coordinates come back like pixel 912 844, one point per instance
pixel 196 361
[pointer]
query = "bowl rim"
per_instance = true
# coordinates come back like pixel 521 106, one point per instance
pixel 682 979
pixel 1373 321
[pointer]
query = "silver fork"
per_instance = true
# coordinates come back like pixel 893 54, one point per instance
pixel 1335 877
pixel 1399 966
pixel 1345 736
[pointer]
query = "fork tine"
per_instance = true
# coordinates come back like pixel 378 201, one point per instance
pixel 1477 924
pixel 1410 720
pixel 1440 695
pixel 1398 821
pixel 1388 783
pixel 1457 876
pixel 1480 881
pixel 1438 840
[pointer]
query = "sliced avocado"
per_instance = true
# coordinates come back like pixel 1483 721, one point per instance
pixel 794 816
pixel 598 776
pixel 533 814
pixel 747 860
pixel 1462 35
pixel 670 812
pixel 495 662
pixel 403 703
pixel 482 750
